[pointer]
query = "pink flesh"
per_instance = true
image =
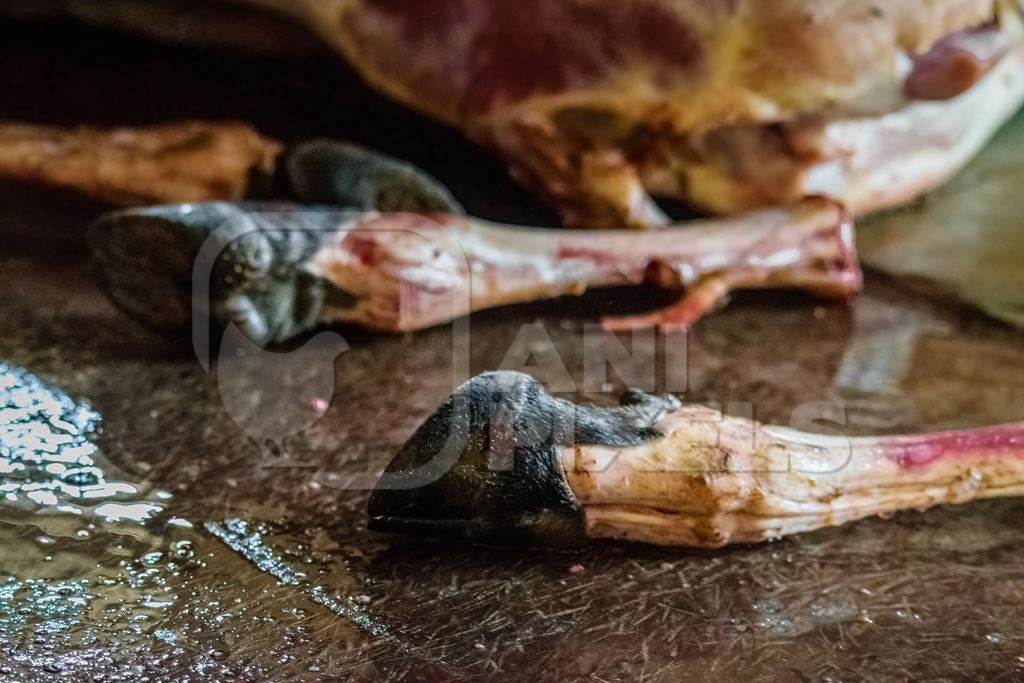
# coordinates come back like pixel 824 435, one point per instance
pixel 413 271
pixel 680 316
pixel 916 451
pixel 525 49
pixel 521 48
pixel 956 63
pixel 843 279
pixel 575 251
pixel 740 243
pixel 420 21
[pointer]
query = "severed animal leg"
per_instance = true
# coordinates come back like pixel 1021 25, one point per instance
pixel 181 162
pixel 501 461
pixel 398 272
pixel 196 161
pixel 408 272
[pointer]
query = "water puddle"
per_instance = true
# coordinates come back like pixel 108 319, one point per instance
pixel 100 580
pixel 48 461
pixel 84 555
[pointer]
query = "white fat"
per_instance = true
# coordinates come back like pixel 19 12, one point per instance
pixel 892 159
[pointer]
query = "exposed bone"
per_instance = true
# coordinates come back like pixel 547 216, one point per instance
pixel 280 269
pixel 181 162
pixel 657 472
pixel 713 480
pixel 411 271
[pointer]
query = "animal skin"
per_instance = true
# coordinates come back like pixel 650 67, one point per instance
pixel 726 104
pixel 504 462
pixel 729 105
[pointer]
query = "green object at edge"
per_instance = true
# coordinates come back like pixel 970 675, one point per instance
pixel 966 239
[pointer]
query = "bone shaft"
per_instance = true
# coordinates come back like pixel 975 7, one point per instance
pixel 905 472
pixel 411 271
pixel 806 246
pixel 710 483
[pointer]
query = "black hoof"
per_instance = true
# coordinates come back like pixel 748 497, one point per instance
pixel 171 266
pixel 350 176
pixel 486 468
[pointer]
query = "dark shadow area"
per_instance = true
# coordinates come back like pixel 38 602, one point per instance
pixel 60 73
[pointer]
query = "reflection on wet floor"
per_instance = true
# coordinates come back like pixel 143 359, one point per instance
pixel 97 575
pixel 249 543
pixel 47 459
pixel 77 556
pixel 876 362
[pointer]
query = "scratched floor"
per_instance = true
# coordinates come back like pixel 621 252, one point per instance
pixel 218 529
